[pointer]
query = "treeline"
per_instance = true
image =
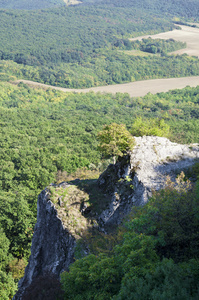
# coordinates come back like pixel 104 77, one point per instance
pixel 110 67
pixel 64 44
pixel 30 4
pixel 156 45
pixel 179 8
pixel 51 56
pixel 79 47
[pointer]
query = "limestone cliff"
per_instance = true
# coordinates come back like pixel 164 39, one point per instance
pixel 131 181
pixel 65 211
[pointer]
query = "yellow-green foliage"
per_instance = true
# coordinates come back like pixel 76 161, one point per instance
pixel 115 140
pixel 156 127
pixel 17 268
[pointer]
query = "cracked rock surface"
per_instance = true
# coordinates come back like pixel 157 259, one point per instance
pixel 145 169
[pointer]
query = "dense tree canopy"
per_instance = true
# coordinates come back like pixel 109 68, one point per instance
pixel 156 127
pixel 30 4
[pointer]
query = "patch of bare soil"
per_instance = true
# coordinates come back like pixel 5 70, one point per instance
pixel 72 2
pixel 189 35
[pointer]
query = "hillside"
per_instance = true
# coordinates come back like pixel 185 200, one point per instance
pixel 59 46
pixel 179 8
pixel 30 4
pixel 79 218
pixel 87 45
pixel 49 136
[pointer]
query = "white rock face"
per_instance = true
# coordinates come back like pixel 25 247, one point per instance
pixel 153 158
pixel 146 169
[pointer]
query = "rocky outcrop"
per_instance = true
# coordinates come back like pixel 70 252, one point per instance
pixel 131 181
pixel 52 247
pixel 154 158
pixel 61 217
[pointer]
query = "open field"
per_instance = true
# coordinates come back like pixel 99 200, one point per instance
pixel 187 34
pixel 134 89
pixel 72 2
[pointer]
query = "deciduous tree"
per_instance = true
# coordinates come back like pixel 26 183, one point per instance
pixel 115 140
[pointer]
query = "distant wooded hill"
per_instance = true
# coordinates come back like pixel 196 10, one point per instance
pixel 78 46
pixel 180 8
pixel 29 4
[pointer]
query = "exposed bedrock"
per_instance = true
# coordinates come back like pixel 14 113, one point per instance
pixel 52 247
pixel 131 181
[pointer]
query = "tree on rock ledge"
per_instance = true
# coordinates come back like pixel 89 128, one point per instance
pixel 115 140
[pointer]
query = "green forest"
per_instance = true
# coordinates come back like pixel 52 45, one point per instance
pixel 48 134
pixel 45 132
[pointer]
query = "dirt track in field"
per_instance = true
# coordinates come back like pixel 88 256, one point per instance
pixel 134 89
pixel 187 34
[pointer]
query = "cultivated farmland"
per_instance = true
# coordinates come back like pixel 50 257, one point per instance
pixel 187 34
pixel 134 89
